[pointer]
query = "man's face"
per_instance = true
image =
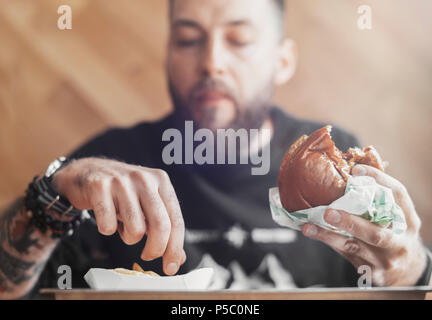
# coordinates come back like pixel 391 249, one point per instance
pixel 221 61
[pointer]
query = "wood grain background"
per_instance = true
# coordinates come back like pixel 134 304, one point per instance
pixel 58 88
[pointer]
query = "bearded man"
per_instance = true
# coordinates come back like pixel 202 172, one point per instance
pixel 224 59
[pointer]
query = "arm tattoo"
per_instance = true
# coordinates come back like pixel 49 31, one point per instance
pixel 18 239
pixel 16 229
pixel 4 287
pixel 13 268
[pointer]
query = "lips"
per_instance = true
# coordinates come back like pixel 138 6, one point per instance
pixel 211 96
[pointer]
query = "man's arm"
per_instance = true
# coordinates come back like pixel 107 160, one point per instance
pixel 24 251
pixel 130 199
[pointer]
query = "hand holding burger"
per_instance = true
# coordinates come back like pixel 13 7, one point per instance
pixel 314 172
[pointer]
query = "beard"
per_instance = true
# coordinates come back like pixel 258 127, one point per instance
pixel 248 115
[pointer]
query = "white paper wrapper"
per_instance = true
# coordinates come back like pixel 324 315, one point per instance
pixel 108 279
pixel 363 197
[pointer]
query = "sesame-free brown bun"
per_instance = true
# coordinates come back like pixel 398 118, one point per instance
pixel 315 172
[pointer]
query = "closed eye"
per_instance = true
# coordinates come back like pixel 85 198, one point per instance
pixel 188 43
pixel 238 43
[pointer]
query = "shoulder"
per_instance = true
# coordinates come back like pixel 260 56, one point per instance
pixel 119 142
pixel 290 128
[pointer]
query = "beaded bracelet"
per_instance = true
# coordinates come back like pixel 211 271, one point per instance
pixel 37 211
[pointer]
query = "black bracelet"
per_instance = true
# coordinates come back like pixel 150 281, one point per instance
pixel 426 275
pixel 37 209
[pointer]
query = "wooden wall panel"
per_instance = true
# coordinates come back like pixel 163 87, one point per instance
pixel 58 88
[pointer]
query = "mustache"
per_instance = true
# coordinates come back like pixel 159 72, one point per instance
pixel 211 84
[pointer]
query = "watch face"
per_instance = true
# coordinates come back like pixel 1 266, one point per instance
pixel 54 166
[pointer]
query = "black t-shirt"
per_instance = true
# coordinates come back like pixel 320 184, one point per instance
pixel 226 213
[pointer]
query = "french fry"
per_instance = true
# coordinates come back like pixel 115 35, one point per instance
pixel 128 272
pixel 136 271
pixel 137 267
pixel 151 273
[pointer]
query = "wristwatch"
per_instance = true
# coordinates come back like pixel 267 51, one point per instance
pixel 42 197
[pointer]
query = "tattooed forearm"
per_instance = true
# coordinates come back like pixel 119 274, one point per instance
pixel 17 230
pixel 23 251
pixel 4 286
pixel 8 215
pixel 14 268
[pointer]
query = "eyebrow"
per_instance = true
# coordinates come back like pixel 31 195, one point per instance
pixel 242 22
pixel 187 23
pixel 193 24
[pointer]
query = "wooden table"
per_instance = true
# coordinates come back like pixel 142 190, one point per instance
pixel 418 293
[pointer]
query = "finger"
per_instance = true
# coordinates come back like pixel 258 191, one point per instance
pixel 174 251
pixel 355 261
pixel 103 207
pixel 380 177
pixel 132 217
pixel 400 193
pixel 351 247
pixel 361 228
pixel 121 231
pixel 158 225
pixel 184 257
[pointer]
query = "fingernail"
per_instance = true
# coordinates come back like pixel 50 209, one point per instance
pixel 333 217
pixel 311 231
pixel 359 170
pixel 172 268
pixel 144 257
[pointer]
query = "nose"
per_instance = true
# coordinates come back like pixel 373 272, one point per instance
pixel 214 58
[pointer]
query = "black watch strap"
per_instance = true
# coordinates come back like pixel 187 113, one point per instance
pixel 41 197
pixel 50 198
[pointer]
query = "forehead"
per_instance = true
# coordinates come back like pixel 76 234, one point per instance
pixel 210 13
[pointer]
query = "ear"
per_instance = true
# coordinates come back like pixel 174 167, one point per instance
pixel 287 62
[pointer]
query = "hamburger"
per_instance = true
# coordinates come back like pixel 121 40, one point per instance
pixel 314 172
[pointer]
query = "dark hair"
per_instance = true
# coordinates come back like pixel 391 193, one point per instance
pixel 281 6
pixel 281 15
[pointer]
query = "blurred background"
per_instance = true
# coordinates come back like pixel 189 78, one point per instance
pixel 58 88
